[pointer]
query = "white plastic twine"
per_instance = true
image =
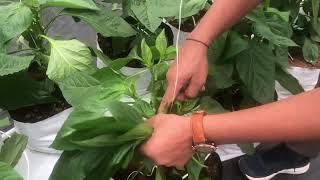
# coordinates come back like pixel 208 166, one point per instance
pixel 177 57
pixel 24 154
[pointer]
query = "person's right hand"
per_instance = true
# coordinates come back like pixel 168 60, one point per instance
pixel 193 70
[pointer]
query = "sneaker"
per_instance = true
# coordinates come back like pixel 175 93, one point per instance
pixel 266 165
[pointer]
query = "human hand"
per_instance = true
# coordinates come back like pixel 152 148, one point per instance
pixel 171 141
pixel 192 75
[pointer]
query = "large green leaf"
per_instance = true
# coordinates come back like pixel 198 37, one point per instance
pixel 140 132
pixel 234 45
pixel 145 15
pixel 256 68
pixel 310 51
pixel 194 167
pixel 220 75
pixel 95 90
pixel 8 173
pixel 13 148
pixel 146 54
pixel 80 89
pixel 162 44
pixel 288 81
pixel 20 90
pixel 76 4
pixel 170 8
pixel 104 22
pixel 76 165
pixel 211 106
pixel 266 32
pixel 14 20
pixel 90 119
pixel 4 122
pixel 12 64
pixel 122 111
pixel 67 57
pixel 315 9
pixel 273 28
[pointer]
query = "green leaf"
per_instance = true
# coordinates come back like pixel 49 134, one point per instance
pixel 94 91
pixel 76 4
pixel 140 132
pixel 8 173
pixel 256 68
pixel 162 44
pixel 5 122
pixel 33 3
pixel 104 22
pixel 279 40
pixel 170 8
pixel 216 49
pixel 12 64
pixel 78 164
pixel 310 51
pixel 234 45
pixel 146 54
pixel 289 82
pixel 194 167
pixel 283 14
pixel 13 148
pixel 105 59
pixel 247 148
pixel 67 57
pixel 145 15
pixel 220 75
pixel 91 120
pixel 315 9
pixel 144 108
pixel 24 91
pixel 160 174
pixel 211 106
pixel 170 53
pixel 122 111
pixel 80 89
pixel 15 18
pixel 282 58
pixel 272 28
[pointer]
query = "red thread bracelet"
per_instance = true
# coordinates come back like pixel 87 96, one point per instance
pixel 195 40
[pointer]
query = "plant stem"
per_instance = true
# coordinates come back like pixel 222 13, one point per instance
pixel 21 50
pixel 46 29
pixel 153 88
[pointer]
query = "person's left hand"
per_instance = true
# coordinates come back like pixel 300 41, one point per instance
pixel 171 142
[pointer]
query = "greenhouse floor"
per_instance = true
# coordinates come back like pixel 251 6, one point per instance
pixel 232 172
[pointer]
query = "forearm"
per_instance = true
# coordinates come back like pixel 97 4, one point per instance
pixel 293 119
pixel 221 16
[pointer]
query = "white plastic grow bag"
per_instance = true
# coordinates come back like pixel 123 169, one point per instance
pixel 308 78
pixel 41 134
pixel 40 158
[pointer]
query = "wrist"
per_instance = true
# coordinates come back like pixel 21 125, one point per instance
pixel 195 34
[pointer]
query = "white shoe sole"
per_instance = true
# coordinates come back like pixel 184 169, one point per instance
pixel 296 171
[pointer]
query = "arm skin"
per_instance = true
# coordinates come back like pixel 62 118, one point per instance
pixel 292 120
pixel 193 63
pixel 221 16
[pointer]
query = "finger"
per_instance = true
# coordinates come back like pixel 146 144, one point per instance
pixel 181 97
pixel 203 88
pixel 169 96
pixel 193 88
